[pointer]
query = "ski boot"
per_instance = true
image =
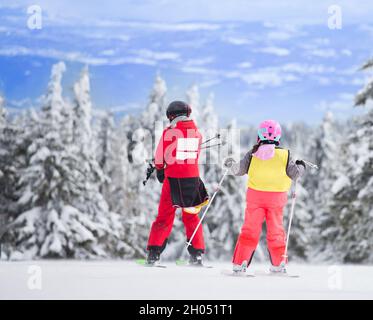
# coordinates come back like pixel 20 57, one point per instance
pixel 240 269
pixel 153 257
pixel 195 259
pixel 281 269
pixel 195 256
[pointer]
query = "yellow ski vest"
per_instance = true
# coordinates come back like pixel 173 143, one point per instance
pixel 270 175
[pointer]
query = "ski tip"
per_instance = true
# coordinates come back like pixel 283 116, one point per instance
pixel 180 262
pixel 141 261
pixel 185 263
pixel 276 275
pixel 230 273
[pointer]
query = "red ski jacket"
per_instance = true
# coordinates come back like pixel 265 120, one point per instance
pixel 178 150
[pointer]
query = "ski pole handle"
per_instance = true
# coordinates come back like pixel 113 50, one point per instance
pixel 311 165
pixel 149 172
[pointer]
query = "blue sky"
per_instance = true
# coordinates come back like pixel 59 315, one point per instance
pixel 267 59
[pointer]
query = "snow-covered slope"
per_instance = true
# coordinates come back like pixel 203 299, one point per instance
pixel 126 280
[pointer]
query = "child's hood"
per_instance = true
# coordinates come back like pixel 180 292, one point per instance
pixel 265 152
pixel 189 124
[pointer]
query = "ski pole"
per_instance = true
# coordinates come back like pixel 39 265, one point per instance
pixel 213 145
pixel 213 138
pixel 293 201
pixel 311 165
pixel 207 209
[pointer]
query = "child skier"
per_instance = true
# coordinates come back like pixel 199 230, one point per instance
pixel 270 171
pixel 176 161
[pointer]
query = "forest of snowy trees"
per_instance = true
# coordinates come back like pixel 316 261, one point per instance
pixel 71 183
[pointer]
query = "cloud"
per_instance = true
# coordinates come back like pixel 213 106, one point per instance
pixel 159 26
pixel 199 70
pixel 306 69
pixel 344 103
pixel 273 76
pixel 194 44
pixel 20 104
pixel 281 52
pixel 279 35
pixel 237 41
pixel 157 55
pixel 51 53
pixel 145 57
pixel 129 107
pixel 108 52
pixel 209 83
pixel 340 106
pixel 323 53
pixel 266 77
pixel 245 64
pixel 346 52
pixel 199 61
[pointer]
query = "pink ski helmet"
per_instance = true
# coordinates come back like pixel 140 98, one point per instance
pixel 269 130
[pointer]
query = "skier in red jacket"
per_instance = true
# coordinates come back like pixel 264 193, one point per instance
pixel 176 161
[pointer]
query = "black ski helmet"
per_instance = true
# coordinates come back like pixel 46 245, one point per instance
pixel 178 108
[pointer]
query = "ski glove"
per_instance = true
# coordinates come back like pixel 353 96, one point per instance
pixel 160 175
pixel 229 162
pixel 300 162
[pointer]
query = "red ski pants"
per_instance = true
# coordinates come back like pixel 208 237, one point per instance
pixel 162 226
pixel 260 206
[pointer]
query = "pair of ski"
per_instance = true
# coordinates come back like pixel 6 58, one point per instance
pixel 260 273
pixel 180 263
pixel 226 272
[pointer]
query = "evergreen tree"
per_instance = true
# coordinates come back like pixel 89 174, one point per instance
pixel 142 135
pixel 193 99
pixel 227 213
pixel 297 136
pixel 12 152
pixel 325 151
pixel 63 213
pixel 106 153
pixel 352 196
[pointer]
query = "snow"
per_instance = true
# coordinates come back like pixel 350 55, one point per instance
pixel 341 183
pixel 66 279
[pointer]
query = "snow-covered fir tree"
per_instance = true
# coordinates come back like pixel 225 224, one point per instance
pixel 209 127
pixel 154 114
pixel 296 137
pixel 210 168
pixel 119 170
pixel 325 145
pixel 352 192
pixel 2 112
pixel 106 153
pixel 227 213
pixel 142 136
pixel 193 99
pixel 63 214
pixel 11 160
